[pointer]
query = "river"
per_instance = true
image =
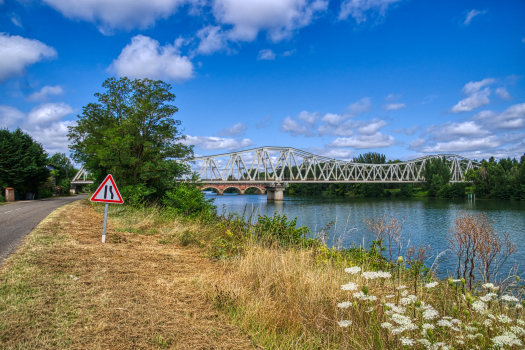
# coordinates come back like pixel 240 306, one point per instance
pixel 427 221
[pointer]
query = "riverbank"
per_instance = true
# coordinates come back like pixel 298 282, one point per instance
pixel 65 289
pixel 234 283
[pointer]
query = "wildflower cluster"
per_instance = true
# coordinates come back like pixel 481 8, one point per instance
pixel 479 320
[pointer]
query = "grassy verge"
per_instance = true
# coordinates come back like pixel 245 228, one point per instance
pixel 65 289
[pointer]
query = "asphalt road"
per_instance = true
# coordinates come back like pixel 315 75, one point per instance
pixel 19 219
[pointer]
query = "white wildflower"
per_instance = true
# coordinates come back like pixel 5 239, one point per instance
pixel 491 316
pixel 479 306
pixel 520 322
pixel 428 326
pixel 490 286
pixel 344 305
pixel 370 309
pixel 390 296
pixel 401 319
pixel 504 319
pixel 363 296
pixel 510 298
pixel 488 297
pixel 447 317
pixel 460 341
pixel 431 285
pixel 456 280
pixel 444 323
pixel 384 274
pixel 487 323
pixel 471 329
pixel 430 314
pixel 425 343
pixel 405 301
pixel 407 341
pixel 349 286
pixel 386 325
pixel 401 287
pixel 517 330
pixel 370 275
pixel 353 270
pixel 404 293
pixel 507 338
pixel 344 323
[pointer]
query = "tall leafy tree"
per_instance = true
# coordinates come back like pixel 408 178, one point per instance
pixel 370 190
pixel 66 170
pixel 22 162
pixel 131 133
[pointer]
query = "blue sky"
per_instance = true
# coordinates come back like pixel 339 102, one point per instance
pixel 338 78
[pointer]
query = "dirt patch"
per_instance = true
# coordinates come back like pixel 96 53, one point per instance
pixel 65 289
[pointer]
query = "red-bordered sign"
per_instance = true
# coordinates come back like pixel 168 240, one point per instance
pixel 107 192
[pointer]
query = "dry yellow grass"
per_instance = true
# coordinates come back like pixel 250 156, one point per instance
pixel 130 293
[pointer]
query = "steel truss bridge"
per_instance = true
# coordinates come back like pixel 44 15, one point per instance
pixel 281 165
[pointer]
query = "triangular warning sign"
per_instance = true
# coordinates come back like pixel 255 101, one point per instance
pixel 107 192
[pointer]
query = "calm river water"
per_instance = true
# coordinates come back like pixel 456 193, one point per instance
pixel 427 221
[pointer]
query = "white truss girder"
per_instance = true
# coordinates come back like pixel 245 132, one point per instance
pixel 285 164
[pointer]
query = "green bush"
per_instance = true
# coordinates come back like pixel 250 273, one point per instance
pixel 277 228
pixel 2 199
pixel 44 192
pixel 187 199
pixel 136 195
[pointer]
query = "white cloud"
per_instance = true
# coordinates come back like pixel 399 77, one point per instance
pixel 451 131
pixel 44 123
pixel 44 92
pixel 212 39
pixel 361 106
pixel 295 128
pixel 289 53
pixel 471 14
pixel 16 53
pixel 337 153
pixel 280 18
pixel 359 9
pixel 372 127
pixel 334 119
pixel 463 144
pixel 264 122
pixel 477 97
pixel 110 14
pixel 214 143
pixel 395 106
pixel 407 131
pixel 309 118
pixel 393 97
pixel 417 143
pixel 145 58
pixel 10 116
pixel 474 86
pixel 16 21
pixel 266 55
pixel 503 93
pixel 234 130
pixel 377 140
pixel 513 118
pixel 48 113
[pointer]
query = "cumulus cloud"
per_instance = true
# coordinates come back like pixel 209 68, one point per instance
pixel 233 130
pixel 463 144
pixel 212 39
pixel 145 58
pixel 45 124
pixel 215 143
pixel 280 18
pixel 361 10
pixel 16 53
pixel 503 93
pixel 471 14
pixel 309 118
pixel 393 97
pixel 125 14
pixel 451 131
pixel 266 55
pixel 477 97
pixel 361 106
pixel 513 118
pixel 395 106
pixel 295 128
pixel 44 92
pixel 377 140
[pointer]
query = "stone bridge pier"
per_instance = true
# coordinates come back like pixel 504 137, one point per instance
pixel 273 193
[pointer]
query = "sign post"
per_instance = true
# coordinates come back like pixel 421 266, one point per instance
pixel 107 193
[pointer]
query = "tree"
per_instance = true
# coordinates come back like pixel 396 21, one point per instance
pixel 66 170
pixel 22 162
pixel 131 133
pixel 370 190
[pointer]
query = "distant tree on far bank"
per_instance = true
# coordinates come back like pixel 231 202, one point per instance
pixel 131 133
pixel 22 162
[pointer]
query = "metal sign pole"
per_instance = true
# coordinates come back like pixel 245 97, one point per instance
pixel 104 227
